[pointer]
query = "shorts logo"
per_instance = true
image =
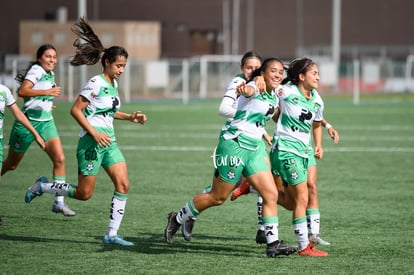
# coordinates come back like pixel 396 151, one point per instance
pixel 294 175
pixel 231 174
pixel 229 161
pixel 89 167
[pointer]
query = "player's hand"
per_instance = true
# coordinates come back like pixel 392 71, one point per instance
pixel 55 91
pixel 41 142
pixel 318 152
pixel 260 83
pixel 241 89
pixel 334 135
pixel 102 139
pixel 138 117
pixel 268 139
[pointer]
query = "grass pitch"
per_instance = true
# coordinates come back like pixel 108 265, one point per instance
pixel 365 189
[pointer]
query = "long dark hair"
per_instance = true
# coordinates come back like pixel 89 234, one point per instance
pixel 89 47
pixel 40 51
pixel 297 67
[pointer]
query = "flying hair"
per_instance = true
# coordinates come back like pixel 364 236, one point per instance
pixel 88 46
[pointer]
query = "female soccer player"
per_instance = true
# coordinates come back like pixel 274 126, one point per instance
pixel 236 155
pixel 300 113
pixel 312 211
pixel 95 110
pixel 38 90
pixel 250 62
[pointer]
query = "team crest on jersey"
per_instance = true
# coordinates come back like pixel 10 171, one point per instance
pixel 294 175
pixel 231 174
pixel 280 92
pixel 90 166
pixel 93 95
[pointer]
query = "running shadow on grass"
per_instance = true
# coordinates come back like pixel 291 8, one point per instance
pixel 147 243
pixel 38 239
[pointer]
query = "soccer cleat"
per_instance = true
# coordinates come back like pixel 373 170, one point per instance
pixel 63 208
pixel 312 252
pixel 243 189
pixel 261 237
pixel 172 227
pixel 187 229
pixel 315 239
pixel 279 248
pixel 116 240
pixel 35 190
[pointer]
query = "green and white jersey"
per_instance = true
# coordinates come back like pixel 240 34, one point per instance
pixel 249 123
pixel 39 108
pixel 103 103
pixel 6 100
pixel 231 92
pixel 293 130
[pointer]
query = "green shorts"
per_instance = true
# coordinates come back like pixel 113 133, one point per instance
pixel 91 156
pixel 262 149
pixel 291 168
pixel 231 161
pixel 21 138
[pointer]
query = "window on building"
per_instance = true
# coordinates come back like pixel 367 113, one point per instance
pixel 60 38
pixel 37 38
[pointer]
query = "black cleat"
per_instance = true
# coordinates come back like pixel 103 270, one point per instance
pixel 172 227
pixel 261 237
pixel 279 248
pixel 187 229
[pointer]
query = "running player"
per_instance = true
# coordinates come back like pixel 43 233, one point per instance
pixel 236 155
pixel 95 110
pixel 38 90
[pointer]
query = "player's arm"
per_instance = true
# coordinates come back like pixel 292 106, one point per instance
pixel 20 117
pixel 136 117
pixel 226 108
pixel 26 90
pixel 77 112
pixel 317 139
pixel 331 131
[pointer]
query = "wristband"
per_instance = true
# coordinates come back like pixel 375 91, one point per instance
pixel 328 126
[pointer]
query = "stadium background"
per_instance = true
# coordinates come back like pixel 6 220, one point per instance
pixel 365 181
pixel 199 43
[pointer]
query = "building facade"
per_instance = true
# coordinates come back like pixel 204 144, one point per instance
pixel 280 28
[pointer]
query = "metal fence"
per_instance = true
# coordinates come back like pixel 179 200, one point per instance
pixel 207 76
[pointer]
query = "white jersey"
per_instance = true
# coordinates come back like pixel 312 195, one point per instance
pixel 231 92
pixel 293 130
pixel 103 103
pixel 39 108
pixel 248 125
pixel 6 100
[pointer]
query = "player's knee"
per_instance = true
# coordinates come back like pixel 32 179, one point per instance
pixel 59 160
pixel 218 200
pixel 83 196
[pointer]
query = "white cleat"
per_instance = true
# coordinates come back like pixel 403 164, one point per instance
pixel 64 209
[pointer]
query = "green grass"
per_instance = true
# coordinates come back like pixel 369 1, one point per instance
pixel 365 184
